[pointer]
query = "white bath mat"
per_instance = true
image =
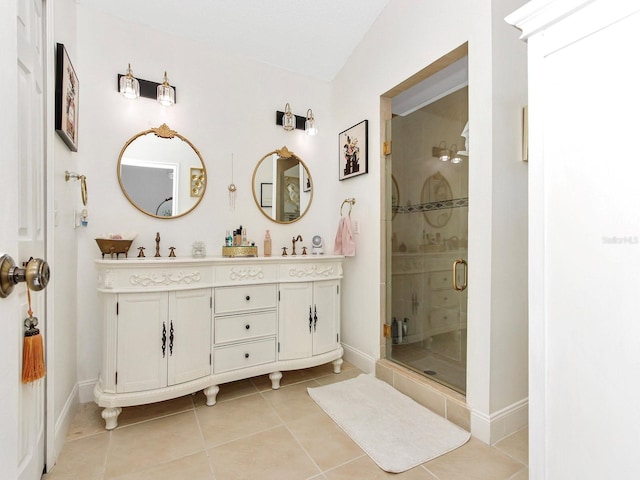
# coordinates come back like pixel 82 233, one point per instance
pixel 395 431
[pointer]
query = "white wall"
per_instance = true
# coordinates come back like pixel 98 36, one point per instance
pixel 224 105
pixel 62 199
pixel 408 36
pixel 227 105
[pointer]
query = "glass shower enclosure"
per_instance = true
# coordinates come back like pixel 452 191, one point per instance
pixel 429 238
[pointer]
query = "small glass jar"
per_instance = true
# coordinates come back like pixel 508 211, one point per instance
pixel 198 250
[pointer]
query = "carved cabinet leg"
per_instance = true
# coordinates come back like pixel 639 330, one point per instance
pixel 211 393
pixel 337 365
pixel 110 416
pixel 275 379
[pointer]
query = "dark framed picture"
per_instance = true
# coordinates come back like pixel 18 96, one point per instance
pixel 266 194
pixel 353 158
pixel 306 181
pixel 67 88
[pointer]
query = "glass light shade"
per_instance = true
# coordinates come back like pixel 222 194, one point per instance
pixel 310 124
pixel 444 155
pixel 288 119
pixel 129 85
pixel 455 158
pixel 166 94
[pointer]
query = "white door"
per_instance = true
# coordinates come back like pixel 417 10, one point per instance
pixel 22 234
pixel 31 216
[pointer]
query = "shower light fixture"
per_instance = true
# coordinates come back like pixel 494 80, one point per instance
pixel 447 154
pixel 455 156
pixel 442 152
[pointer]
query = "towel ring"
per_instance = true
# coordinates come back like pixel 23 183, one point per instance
pixel 351 202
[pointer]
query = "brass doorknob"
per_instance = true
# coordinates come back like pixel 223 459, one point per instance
pixel 36 274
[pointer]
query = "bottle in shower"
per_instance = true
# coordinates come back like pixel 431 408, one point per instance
pixel 394 331
pixel 405 330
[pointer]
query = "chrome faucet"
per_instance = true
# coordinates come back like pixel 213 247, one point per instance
pixel 294 240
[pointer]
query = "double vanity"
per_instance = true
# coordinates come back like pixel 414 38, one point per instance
pixel 174 326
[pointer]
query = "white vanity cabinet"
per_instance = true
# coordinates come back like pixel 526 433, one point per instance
pixel 309 314
pixel 163 338
pixel 175 326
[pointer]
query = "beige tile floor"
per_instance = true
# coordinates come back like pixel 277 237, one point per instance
pixel 255 433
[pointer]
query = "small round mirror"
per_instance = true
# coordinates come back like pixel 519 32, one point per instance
pixel 282 186
pixel 162 173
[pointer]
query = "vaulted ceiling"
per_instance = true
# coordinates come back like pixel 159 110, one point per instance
pixel 310 37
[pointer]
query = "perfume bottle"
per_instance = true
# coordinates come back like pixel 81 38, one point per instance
pixel 267 244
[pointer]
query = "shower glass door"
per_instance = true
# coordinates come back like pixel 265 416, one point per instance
pixel 430 178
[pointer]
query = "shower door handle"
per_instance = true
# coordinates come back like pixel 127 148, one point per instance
pixel 454 275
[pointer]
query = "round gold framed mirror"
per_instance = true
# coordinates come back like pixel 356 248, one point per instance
pixel 162 173
pixel 436 192
pixel 282 186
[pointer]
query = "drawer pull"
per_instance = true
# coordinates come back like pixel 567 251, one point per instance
pixel 247 326
pixel 246 355
pixel 247 298
pixel 171 337
pixel 164 339
pixel 315 318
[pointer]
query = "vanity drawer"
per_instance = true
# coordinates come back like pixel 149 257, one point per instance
pixel 244 298
pixel 440 279
pixel 444 298
pixel 244 355
pixel 244 327
pixel 439 317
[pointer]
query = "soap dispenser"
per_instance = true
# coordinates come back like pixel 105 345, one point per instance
pixel 267 244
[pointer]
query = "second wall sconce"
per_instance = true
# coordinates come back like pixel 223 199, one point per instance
pixel 447 154
pixel 289 121
pixel 132 87
pixel 310 124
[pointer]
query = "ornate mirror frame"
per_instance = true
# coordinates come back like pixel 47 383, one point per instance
pixel 197 186
pixel 305 190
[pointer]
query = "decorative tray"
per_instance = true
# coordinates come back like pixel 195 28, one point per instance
pixel 240 251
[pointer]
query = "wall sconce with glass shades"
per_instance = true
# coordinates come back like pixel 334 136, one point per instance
pixel 289 121
pixel 132 87
pixel 448 154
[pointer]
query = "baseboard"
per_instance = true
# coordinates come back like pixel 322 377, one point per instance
pixel 493 428
pixel 359 359
pixel 63 422
pixel 86 390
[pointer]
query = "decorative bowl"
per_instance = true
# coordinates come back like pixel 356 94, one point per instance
pixel 113 246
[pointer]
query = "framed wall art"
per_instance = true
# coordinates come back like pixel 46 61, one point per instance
pixel 67 89
pixel 353 158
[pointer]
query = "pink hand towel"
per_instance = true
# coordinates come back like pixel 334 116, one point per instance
pixel 345 243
